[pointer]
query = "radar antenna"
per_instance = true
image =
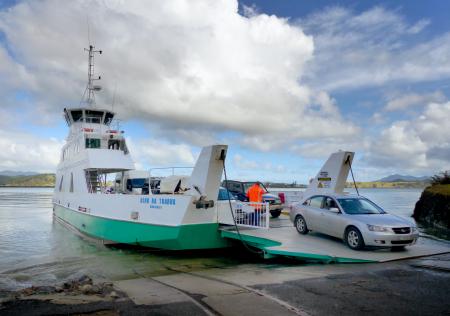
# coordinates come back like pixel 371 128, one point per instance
pixel 91 88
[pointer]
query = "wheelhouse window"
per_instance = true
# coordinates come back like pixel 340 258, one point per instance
pixel 94 116
pixel 92 143
pixel 77 115
pixel 108 118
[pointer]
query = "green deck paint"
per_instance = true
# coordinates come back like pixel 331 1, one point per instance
pixel 265 245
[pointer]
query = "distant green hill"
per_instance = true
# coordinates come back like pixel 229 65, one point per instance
pixel 389 185
pixel 402 178
pixel 39 180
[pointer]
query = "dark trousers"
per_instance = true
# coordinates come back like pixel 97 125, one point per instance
pixel 255 217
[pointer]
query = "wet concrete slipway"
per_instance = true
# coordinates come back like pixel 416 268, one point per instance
pixel 411 287
pixel 47 276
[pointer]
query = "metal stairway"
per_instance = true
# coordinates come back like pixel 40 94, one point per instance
pixel 93 181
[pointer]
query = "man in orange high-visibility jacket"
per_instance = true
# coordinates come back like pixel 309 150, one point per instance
pixel 255 194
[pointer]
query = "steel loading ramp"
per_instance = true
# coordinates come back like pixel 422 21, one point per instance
pixel 281 239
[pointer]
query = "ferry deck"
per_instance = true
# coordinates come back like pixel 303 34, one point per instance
pixel 282 240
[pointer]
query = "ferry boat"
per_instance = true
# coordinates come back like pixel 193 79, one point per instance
pixel 180 212
pixel 184 217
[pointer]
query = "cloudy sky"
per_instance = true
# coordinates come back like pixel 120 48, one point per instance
pixel 284 83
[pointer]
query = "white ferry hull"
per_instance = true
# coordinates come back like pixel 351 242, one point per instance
pixel 177 237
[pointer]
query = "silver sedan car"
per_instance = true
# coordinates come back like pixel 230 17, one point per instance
pixel 355 219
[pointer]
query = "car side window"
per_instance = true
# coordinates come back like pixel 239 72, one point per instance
pixel 329 203
pixel 234 186
pixel 316 201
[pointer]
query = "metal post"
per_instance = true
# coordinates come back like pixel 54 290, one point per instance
pixel 90 87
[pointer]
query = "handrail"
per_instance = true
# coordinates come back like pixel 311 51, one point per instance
pixel 166 168
pixel 251 214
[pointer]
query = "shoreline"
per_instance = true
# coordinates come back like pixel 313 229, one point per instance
pixel 26 187
pixel 413 287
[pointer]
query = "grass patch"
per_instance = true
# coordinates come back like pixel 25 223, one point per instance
pixel 443 189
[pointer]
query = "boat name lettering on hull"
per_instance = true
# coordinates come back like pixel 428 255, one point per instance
pixel 157 202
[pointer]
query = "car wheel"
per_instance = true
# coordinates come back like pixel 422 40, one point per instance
pixel 353 238
pixel 300 225
pixel 275 213
pixel 398 248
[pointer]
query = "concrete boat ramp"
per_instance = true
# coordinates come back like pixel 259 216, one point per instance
pixel 281 239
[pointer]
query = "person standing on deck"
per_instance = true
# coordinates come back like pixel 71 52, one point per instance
pixel 255 194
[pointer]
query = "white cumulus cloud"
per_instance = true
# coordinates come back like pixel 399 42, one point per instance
pixel 419 144
pixel 24 152
pixel 372 48
pixel 413 99
pixel 182 65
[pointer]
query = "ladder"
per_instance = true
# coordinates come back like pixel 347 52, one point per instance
pixel 93 181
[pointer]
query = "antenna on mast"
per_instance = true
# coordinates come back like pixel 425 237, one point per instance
pixel 88 29
pixel 91 88
pixel 114 97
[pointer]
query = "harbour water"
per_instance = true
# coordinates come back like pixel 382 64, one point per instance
pixel 37 250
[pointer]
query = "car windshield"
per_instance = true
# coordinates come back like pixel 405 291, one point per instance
pixel 357 206
pixel 223 195
pixel 136 182
pixel 247 186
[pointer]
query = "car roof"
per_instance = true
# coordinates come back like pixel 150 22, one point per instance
pixel 241 181
pixel 343 196
pixel 340 196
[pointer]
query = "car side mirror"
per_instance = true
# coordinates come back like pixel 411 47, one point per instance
pixel 334 210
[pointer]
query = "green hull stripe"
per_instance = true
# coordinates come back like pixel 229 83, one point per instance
pixel 249 239
pixel 265 245
pixel 312 256
pixel 183 237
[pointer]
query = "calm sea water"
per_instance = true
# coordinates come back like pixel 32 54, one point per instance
pixel 34 249
pixel 396 201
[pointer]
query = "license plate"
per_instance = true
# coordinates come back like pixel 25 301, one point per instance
pixel 405 238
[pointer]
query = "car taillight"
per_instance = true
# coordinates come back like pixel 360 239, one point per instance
pixel 282 197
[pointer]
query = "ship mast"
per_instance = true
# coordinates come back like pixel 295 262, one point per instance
pixel 91 88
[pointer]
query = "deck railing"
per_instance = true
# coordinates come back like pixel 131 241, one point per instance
pixel 251 214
